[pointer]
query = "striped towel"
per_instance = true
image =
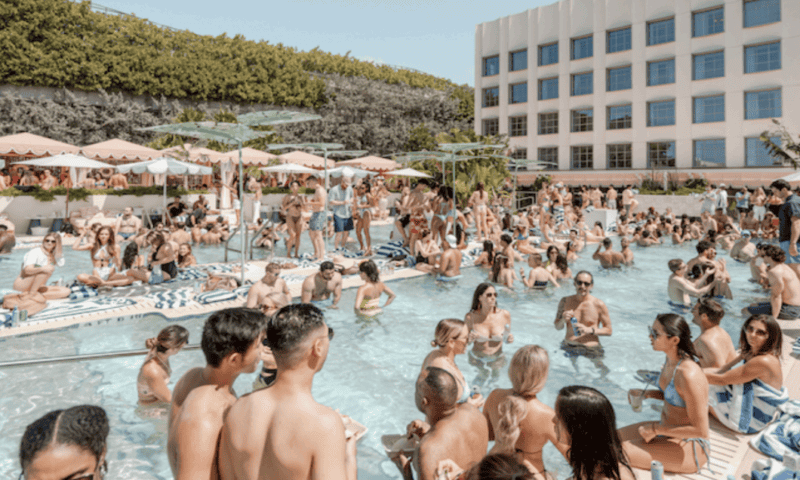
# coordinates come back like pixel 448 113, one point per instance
pixel 242 291
pixel 82 292
pixel 783 436
pixel 172 298
pixel 796 347
pixel 215 296
pixel 770 469
pixel 392 249
pixel 349 254
pixel 467 260
pixel 746 408
pixel 558 213
pixel 191 274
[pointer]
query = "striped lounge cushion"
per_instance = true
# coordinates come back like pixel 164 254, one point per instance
pixel 81 292
pixel 215 296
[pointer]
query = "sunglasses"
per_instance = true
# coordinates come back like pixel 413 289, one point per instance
pixel 50 240
pixel 330 333
pixel 581 283
pixel 757 332
pixel 653 333
pixel 492 294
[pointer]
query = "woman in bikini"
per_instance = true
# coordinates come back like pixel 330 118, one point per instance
pixel 519 422
pixel 503 272
pixel 442 206
pixel 680 439
pixel 486 258
pixel 153 378
pixel 478 202
pixel 539 277
pixel 162 256
pixel 292 209
pixel 105 255
pixel 489 328
pixel 572 252
pixel 561 270
pixel 369 295
pixel 37 268
pixel 598 456
pixel 185 257
pixel 427 251
pixel 452 337
pixel 364 202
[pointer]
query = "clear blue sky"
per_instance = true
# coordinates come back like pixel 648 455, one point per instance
pixel 434 36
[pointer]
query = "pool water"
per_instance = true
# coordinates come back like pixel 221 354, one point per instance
pixel 372 365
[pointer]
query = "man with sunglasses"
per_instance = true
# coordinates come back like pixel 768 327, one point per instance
pixel 281 432
pixel 592 319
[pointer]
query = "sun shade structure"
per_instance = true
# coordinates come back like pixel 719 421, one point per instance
pixel 290 168
pixel 195 154
pixel 118 149
pixel 349 172
pixel 236 134
pixel 409 172
pixel 306 159
pixel 66 160
pixel 30 145
pixel 371 163
pixel 251 156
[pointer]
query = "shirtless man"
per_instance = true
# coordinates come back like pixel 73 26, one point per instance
pixel 28 179
pixel 714 346
pixel 647 239
pixel 609 258
pixel 759 200
pixel 270 293
pixel 627 253
pixel 611 198
pixel 709 223
pixel 319 286
pixel 721 220
pixel 317 222
pixel 450 261
pixel 681 288
pixel 179 235
pixel 592 318
pixel 128 224
pixel 281 432
pixel 706 253
pixel 232 345
pixel 48 180
pixel 455 431
pixel 784 288
pixel 118 181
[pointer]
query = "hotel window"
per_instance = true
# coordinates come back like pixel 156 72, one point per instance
pixel 757 155
pixel 518 126
pixel 491 66
pixel 762 58
pixel 709 153
pixel 491 97
pixel 708 65
pixel 582 157
pixel 491 126
pixel 761 12
pixel 709 109
pixel 548 88
pixel 619 79
pixel 549 157
pixel 708 22
pixel 582 84
pixel 548 54
pixel 548 123
pixel 582 120
pixel 518 60
pixel 662 31
pixel 661 72
pixel 660 154
pixel 620 156
pixel 763 104
pixel 518 93
pixel 660 114
pixel 619 117
pixel 582 48
pixel 618 40
pixel 519 154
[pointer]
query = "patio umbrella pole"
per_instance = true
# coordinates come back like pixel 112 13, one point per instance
pixel 164 211
pixel 327 186
pixel 241 209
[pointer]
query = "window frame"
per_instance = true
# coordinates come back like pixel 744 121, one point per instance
pixel 744 14
pixel 511 92
pixel 630 78
pixel 539 58
pixel 650 159
pixel 701 97
pixel 485 121
pixel 542 158
pixel 615 30
pixel 694 153
pixel 628 161
pixel 629 121
pixel 572 84
pixel 763 90
pixel 649 106
pixel 587 123
pixel 511 126
pixel 539 93
pixel 747 156
pixel 516 153
pixel 762 44
pixel 590 161
pixel 548 123
pixel 694 64
pixel 484 103
pixel 572 46
pixel 708 10
pixel 511 60
pixel 484 63
pixel 660 20
pixel 650 63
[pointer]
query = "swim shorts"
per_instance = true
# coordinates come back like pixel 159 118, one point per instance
pixel 126 235
pixel 788 312
pixel 789 258
pixel 578 350
pixel 342 224
pixel 404 220
pixel 317 221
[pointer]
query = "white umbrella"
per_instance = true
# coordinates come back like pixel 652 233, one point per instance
pixel 163 166
pixel 66 160
pixel 290 168
pixel 349 172
pixel 409 172
pixel 792 177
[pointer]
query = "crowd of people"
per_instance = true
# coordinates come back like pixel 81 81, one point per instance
pixel 280 431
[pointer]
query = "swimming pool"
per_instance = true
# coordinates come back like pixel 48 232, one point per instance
pixel 371 367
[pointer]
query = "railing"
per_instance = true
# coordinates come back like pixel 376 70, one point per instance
pixel 233 234
pixel 80 358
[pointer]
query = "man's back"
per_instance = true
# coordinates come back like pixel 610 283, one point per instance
pixel 279 433
pixel 451 262
pixel 462 437
pixel 714 348
pixel 790 294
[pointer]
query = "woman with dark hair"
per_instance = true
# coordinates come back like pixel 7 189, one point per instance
pixel 131 260
pixel 105 254
pixel 451 339
pixel 519 422
pixel 369 295
pixel 155 372
pixel 162 256
pixel 585 421
pixel 551 254
pixel 69 444
pixel 680 440
pixel 364 202
pixel 496 466
pixel 503 272
pixel 185 257
pixel 292 209
pixel 561 270
pixel 489 328
pixel 572 252
pixel 486 258
pixel 746 398
pixel 443 213
pixel 427 250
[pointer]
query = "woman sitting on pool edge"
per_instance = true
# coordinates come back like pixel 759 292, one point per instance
pixel 369 295
pixel 185 257
pixel 680 440
pixel 37 268
pixel 105 255
pixel 742 398
pixel 162 256
pixel 152 382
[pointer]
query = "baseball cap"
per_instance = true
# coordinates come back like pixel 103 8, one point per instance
pixel 451 239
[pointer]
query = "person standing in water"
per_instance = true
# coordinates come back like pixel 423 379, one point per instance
pixel 369 294
pixel 479 204
pixel 151 384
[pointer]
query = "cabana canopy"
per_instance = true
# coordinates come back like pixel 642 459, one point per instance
pixel 371 162
pixel 118 149
pixel 30 145
pixel 251 156
pixel 195 154
pixel 306 159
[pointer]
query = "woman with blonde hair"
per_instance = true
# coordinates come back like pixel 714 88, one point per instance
pixel 153 378
pixel 518 422
pixel 451 339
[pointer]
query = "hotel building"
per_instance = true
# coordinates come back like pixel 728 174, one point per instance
pixel 608 89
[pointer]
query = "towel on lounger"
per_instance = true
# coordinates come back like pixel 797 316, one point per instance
pixel 770 469
pixel 82 292
pixel 748 407
pixel 783 435
pixel 242 291
pixel 215 296
pixel 392 249
pixel 172 298
pixel 191 274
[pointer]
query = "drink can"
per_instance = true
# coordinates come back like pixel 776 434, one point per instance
pixel 574 322
pixel 656 470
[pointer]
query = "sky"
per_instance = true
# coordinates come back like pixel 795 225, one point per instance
pixel 433 36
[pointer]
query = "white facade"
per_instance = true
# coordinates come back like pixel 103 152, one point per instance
pixel 566 20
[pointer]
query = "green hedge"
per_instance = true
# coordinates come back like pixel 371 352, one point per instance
pixel 78 194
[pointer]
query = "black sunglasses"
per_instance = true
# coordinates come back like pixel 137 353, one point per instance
pixel 582 283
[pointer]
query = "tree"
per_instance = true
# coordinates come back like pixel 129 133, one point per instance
pixel 788 153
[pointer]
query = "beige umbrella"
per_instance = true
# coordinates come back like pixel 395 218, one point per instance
pixel 371 162
pixel 30 145
pixel 306 159
pixel 251 156
pixel 118 149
